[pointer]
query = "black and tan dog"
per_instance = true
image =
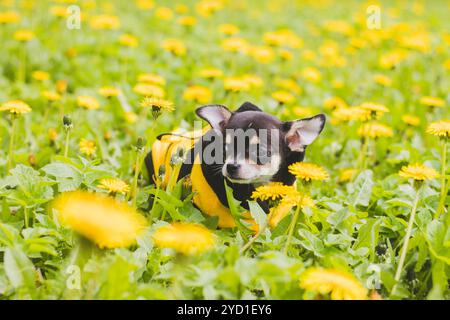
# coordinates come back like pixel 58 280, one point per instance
pixel 245 148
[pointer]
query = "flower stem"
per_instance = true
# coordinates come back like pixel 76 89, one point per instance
pixel 66 146
pixel 404 250
pixel 22 66
pixel 364 149
pixel 25 216
pixel 155 199
pixel 135 179
pixel 253 239
pixel 293 223
pixel 443 194
pixel 11 143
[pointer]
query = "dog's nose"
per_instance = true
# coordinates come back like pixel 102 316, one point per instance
pixel 232 168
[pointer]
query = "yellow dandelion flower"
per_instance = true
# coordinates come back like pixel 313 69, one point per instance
pixel 88 102
pixel 309 55
pixel 151 78
pixel 311 74
pixel 113 185
pixel 52 134
pixel 439 128
pixel 337 84
pixel 235 45
pixel 187 21
pixel 261 54
pixel 211 73
pixel 290 201
pixel 198 94
pixel 285 54
pixel 185 238
pixel 447 64
pixel 334 103
pixel 9 17
pixel 206 8
pixel 131 117
pixel 40 75
pixel 411 120
pixel 236 84
pixel 59 11
pixel 289 85
pixel 15 107
pixel 109 92
pixel 128 40
pixel 87 147
pixel 253 80
pixel 149 90
pixel 382 80
pixel 374 108
pixel 51 96
pixel 293 199
pixel 283 97
pixel 302 112
pixel 228 29
pixel 339 26
pixel 157 103
pixel 418 172
pixel 164 13
pixel 145 4
pixel 23 35
pixel 308 171
pixel 392 58
pixel 181 8
pixel 349 114
pixel 61 86
pixel 375 130
pixel 272 191
pixel 104 22
pixel 174 46
pixel 432 101
pixel 341 285
pixel 71 53
pixel 283 37
pixel 346 174
pixel 360 114
pixel 105 221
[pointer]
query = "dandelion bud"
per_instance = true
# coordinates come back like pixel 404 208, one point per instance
pixel 67 121
pixel 177 157
pixel 162 172
pixel 140 144
pixel 32 160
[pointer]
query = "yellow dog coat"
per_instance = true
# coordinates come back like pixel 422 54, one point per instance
pixel 204 198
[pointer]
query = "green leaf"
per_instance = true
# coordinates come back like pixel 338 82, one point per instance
pixel 258 214
pixel 440 281
pixel 166 197
pixel 435 236
pixel 361 189
pixel 368 236
pixel 19 269
pixel 311 242
pixel 61 170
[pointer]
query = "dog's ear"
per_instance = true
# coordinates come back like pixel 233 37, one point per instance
pixel 216 115
pixel 301 133
pixel 248 106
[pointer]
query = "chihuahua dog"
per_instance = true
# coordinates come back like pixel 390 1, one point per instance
pixel 244 149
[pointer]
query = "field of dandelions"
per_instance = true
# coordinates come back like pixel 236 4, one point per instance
pixel 86 86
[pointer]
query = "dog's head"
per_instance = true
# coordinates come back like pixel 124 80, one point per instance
pixel 256 144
